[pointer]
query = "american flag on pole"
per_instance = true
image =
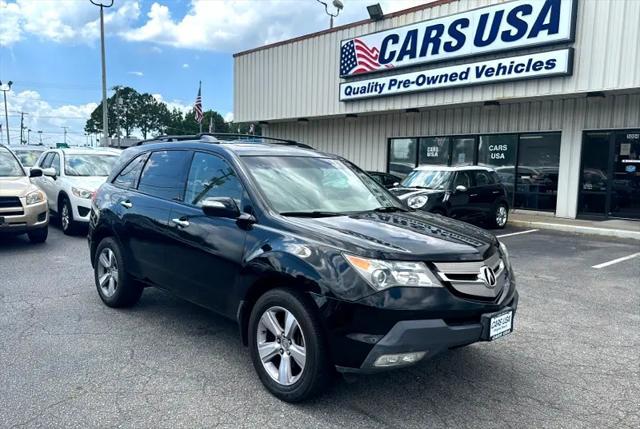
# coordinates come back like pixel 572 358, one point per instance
pixel 198 106
pixel 356 57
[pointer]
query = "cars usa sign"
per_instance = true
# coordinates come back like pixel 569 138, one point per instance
pixel 506 26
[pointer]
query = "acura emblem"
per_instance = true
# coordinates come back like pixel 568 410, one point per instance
pixel 488 277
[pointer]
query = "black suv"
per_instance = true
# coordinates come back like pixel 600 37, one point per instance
pixel 321 267
pixel 473 194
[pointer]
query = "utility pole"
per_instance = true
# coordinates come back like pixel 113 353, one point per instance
pixel 6 114
pixel 105 115
pixel 29 136
pixel 65 134
pixel 21 127
pixel 40 132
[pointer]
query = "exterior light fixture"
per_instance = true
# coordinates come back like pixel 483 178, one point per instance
pixel 596 94
pixel 491 104
pixel 351 116
pixel 375 12
pixel 263 123
pixel 303 121
pixel 412 110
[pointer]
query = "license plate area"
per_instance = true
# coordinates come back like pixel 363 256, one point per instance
pixel 497 325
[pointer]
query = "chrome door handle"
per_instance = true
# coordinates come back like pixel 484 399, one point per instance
pixel 496 192
pixel 473 195
pixel 126 204
pixel 180 222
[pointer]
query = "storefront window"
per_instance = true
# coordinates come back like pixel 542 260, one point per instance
pixel 402 156
pixel 498 151
pixel 537 173
pixel 595 173
pixel 463 150
pixel 434 151
pixel 625 195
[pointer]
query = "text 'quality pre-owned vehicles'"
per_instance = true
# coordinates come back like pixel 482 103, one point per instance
pixel 69 180
pixel 23 207
pixel 474 194
pixel 321 266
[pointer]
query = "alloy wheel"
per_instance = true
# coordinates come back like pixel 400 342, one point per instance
pixel 64 217
pixel 281 345
pixel 107 272
pixel 501 216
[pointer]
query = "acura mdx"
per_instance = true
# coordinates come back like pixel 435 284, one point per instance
pixel 322 268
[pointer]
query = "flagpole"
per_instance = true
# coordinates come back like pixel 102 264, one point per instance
pixel 200 92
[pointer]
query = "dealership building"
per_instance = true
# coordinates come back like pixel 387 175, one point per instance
pixel 546 92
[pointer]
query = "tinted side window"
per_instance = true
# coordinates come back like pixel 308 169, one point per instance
pixel 128 177
pixel 483 178
pixel 55 163
pixel 210 177
pixel 463 178
pixel 163 174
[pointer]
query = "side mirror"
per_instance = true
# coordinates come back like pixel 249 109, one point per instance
pixel 51 172
pixel 221 207
pixel 35 172
pixel 461 188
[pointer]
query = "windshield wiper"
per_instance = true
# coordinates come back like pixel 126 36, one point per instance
pixel 389 209
pixel 315 213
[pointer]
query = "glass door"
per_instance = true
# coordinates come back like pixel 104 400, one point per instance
pixel 594 189
pixel 625 188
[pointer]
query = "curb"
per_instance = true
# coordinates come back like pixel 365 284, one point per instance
pixel 579 229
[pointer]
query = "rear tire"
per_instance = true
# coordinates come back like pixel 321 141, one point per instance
pixel 115 287
pixel 69 226
pixel 293 366
pixel 38 236
pixel 500 216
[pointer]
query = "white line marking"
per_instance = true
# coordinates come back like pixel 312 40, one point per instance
pixel 517 233
pixel 615 261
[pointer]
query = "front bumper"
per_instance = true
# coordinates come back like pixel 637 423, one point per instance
pixel 431 336
pixel 81 208
pixel 35 216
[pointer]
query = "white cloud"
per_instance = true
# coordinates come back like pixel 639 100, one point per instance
pixel 228 117
pixel 136 73
pixel 174 104
pixel 185 66
pixel 41 115
pixel 232 25
pixel 63 21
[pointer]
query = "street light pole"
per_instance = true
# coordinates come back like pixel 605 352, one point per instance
pixel 337 4
pixel 105 114
pixel 6 113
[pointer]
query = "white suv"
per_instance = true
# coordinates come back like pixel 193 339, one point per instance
pixel 70 178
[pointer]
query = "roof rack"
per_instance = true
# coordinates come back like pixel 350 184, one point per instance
pixel 224 138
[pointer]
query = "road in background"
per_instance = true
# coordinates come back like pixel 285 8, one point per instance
pixel 67 360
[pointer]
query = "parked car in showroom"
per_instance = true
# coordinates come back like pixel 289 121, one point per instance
pixel 472 193
pixel 322 268
pixel 23 207
pixel 69 180
pixel 28 155
pixel 385 179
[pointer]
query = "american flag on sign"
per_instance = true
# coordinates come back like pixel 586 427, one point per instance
pixel 356 57
pixel 198 106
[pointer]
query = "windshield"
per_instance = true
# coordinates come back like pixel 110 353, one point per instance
pixel 428 179
pixel 9 165
pixel 28 158
pixel 312 185
pixel 88 165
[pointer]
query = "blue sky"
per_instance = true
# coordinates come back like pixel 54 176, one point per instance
pixel 50 50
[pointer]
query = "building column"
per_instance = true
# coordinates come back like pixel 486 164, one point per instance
pixel 570 156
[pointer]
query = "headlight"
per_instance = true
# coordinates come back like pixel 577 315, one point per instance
pixel 505 253
pixel 34 197
pixel 417 201
pixel 385 274
pixel 82 193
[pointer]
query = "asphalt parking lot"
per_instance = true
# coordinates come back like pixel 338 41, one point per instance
pixel 66 360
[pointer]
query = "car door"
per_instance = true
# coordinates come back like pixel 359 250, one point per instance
pixel 208 250
pixel 460 201
pixel 143 206
pixel 482 197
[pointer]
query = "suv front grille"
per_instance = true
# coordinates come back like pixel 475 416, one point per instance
pixel 466 277
pixel 10 206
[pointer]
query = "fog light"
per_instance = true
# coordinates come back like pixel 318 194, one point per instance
pixel 399 359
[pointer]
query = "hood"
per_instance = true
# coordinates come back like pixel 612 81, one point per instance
pixel 411 235
pixel 15 186
pixel 404 193
pixel 90 183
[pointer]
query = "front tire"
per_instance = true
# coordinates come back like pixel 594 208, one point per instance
pixel 500 216
pixel 38 236
pixel 69 226
pixel 287 345
pixel 115 287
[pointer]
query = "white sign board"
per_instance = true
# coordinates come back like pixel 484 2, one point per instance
pixel 501 27
pixel 529 66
